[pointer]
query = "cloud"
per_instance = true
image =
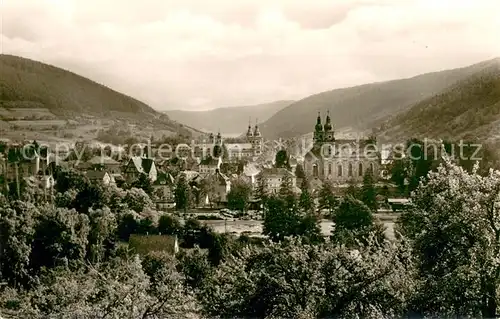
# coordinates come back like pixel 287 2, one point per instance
pixel 199 54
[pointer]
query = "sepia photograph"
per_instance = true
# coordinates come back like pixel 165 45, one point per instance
pixel 196 159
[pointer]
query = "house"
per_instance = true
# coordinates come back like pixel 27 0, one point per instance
pixel 41 181
pixel 163 189
pixel 209 165
pixel 274 177
pixel 222 187
pixel 190 175
pixel 21 163
pixel 398 203
pixel 145 244
pixel 101 177
pixel 250 171
pixel 104 163
pixel 140 165
pixel 340 160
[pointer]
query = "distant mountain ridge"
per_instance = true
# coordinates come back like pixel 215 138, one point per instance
pixel 469 110
pixel 362 108
pixel 230 120
pixel 63 95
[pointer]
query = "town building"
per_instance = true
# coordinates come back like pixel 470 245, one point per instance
pixel 222 187
pixel 209 165
pixel 252 148
pixel 339 160
pixel 251 172
pixel 100 177
pixel 140 165
pixel 99 163
pixel 163 190
pixel 274 177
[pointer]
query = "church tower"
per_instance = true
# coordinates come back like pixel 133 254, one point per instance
pixel 249 131
pixel 256 140
pixel 218 140
pixel 318 131
pixel 328 128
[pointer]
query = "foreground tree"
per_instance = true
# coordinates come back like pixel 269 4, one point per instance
pixel 144 183
pixel 355 223
pixel 17 230
pixel 368 191
pixel 121 288
pixel 282 159
pixel 207 189
pixel 306 199
pixel 455 227
pixel 282 220
pixel 137 200
pixel 261 192
pixel 326 197
pixel 182 194
pixel 296 280
pixel 239 196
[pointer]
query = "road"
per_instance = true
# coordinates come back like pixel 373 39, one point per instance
pixel 255 226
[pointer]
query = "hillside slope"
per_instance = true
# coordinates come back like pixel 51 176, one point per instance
pixel 469 109
pixel 27 82
pixel 35 94
pixel 363 107
pixel 228 119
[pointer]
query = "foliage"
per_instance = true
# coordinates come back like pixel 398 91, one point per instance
pixel 169 225
pixel 137 200
pixel 282 160
pixel 119 289
pixel 60 239
pixel 326 197
pixel 195 266
pixel 89 196
pixel 144 183
pixel 207 189
pixel 128 224
pixel 239 195
pixel 466 109
pixel 455 228
pixel 182 194
pixel 306 199
pixel 261 192
pixel 353 189
pixel 102 235
pixel 17 230
pixel 368 191
pixel 69 179
pixel 282 220
pixel 355 223
pixel 414 163
pixel 299 171
pixel 296 280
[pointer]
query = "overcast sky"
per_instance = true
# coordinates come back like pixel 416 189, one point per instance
pixel 191 55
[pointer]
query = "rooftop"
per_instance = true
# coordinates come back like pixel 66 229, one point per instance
pixel 276 172
pixel 106 160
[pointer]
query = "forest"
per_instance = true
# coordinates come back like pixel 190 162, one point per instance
pixel 67 254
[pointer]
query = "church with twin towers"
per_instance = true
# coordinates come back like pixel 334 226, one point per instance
pixel 339 160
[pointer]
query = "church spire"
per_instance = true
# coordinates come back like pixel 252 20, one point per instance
pixel 249 131
pixel 319 127
pixel 328 124
pixel 256 131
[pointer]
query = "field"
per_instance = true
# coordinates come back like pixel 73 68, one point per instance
pixel 38 124
pixel 32 113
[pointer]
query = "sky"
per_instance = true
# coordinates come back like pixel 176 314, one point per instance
pixel 203 54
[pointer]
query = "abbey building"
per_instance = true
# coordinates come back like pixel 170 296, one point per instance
pixel 339 160
pixel 251 149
